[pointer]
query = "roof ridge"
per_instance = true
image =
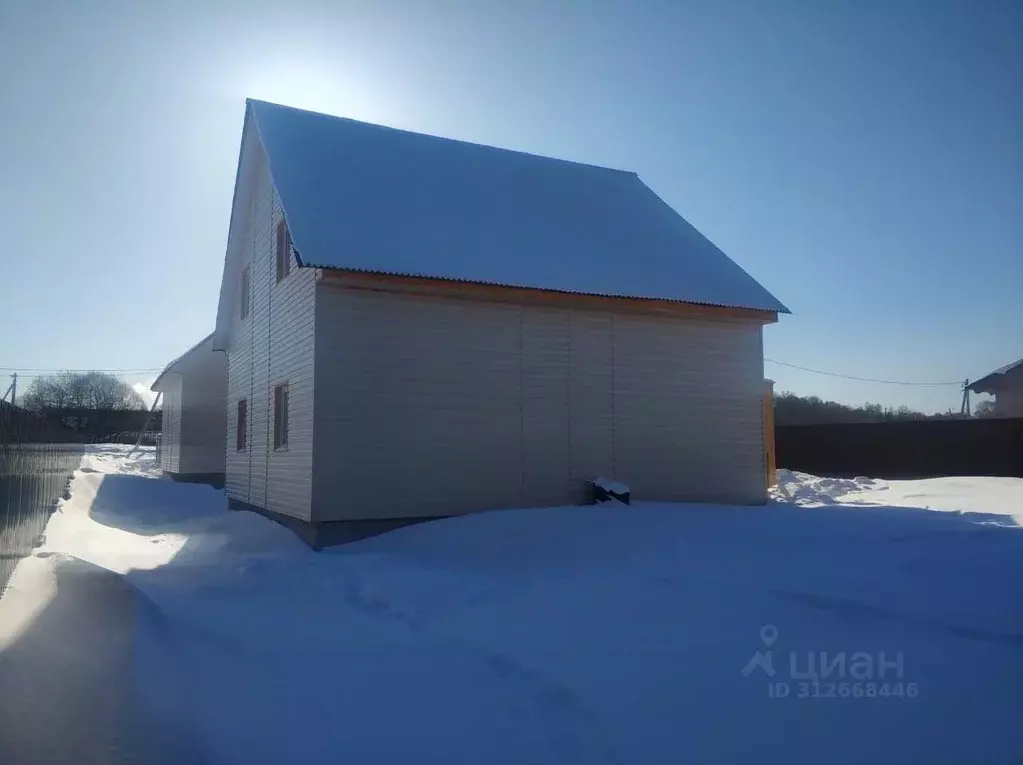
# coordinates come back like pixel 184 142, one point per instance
pixel 441 138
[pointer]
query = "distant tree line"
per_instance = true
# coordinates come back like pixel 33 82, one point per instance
pixel 81 390
pixel 99 406
pixel 790 409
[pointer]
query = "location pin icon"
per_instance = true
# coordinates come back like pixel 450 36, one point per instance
pixel 768 633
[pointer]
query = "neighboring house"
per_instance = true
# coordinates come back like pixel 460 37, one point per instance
pixel 419 327
pixel 194 402
pixel 1006 385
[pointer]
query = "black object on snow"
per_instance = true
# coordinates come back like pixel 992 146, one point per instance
pixel 606 490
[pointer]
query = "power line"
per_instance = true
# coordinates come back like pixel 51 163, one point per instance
pixel 40 372
pixel 36 371
pixel 32 375
pixel 860 379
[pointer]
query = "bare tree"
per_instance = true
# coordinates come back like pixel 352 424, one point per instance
pixel 984 409
pixel 89 390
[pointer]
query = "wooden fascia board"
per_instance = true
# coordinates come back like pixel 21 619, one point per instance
pixel 359 280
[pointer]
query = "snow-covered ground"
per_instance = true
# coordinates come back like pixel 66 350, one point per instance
pixel 842 623
pixel 998 496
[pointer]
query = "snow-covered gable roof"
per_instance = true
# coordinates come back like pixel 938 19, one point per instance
pixel 990 382
pixel 369 198
pixel 202 347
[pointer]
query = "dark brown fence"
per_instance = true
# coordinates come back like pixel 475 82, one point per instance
pixel 37 457
pixel 106 425
pixel 916 449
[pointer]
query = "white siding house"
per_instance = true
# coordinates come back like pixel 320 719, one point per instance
pixel 417 327
pixel 194 400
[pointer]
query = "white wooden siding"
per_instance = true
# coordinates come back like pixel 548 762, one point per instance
pixel 591 424
pixel 170 432
pixel 688 410
pixel 429 405
pixel 273 344
pixel 395 395
pixel 203 413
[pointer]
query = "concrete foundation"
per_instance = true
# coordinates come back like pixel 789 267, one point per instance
pixel 216 480
pixel 320 535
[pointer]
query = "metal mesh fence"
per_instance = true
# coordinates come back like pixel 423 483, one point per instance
pixel 37 458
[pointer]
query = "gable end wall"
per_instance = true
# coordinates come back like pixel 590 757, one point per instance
pixel 274 344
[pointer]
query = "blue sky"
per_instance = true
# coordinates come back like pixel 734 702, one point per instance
pixel 863 160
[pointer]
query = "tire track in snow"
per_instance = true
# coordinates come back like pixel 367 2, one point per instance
pixel 572 733
pixel 859 609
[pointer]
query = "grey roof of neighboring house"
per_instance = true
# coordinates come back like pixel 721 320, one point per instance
pixel 364 197
pixel 989 382
pixel 208 340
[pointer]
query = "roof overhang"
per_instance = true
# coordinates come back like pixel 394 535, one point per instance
pixel 381 282
pixel 181 362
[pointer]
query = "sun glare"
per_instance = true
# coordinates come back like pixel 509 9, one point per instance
pixel 304 86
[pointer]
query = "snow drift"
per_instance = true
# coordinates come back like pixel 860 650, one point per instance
pixel 605 634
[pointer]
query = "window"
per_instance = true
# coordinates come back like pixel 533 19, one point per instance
pixel 243 425
pixel 283 251
pixel 245 290
pixel 281 416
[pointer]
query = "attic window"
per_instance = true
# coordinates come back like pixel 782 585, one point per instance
pixel 283 251
pixel 244 288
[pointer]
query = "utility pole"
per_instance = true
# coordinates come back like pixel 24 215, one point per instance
pixel 12 389
pixel 965 407
pixel 149 420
